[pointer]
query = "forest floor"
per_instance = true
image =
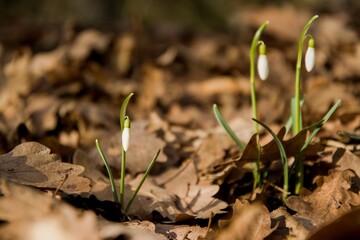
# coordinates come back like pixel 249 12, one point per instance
pixel 55 102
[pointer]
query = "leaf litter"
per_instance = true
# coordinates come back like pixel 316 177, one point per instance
pixel 55 103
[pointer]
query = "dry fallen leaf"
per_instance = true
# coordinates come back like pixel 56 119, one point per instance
pixel 42 114
pixel 131 231
pixel 216 85
pixel 288 227
pixel 170 179
pixel 286 30
pixel 179 198
pixel 155 198
pixel 344 227
pixel 87 41
pixel 270 151
pixel 196 199
pixel 201 203
pixel 212 150
pixel 124 48
pixel 344 159
pixel 33 215
pixel 331 199
pixel 32 164
pixel 181 232
pixel 53 63
pixel 248 222
pixel 318 99
pixel 152 87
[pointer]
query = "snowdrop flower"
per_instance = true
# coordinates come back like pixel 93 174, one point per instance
pixel 126 134
pixel 310 56
pixel 262 64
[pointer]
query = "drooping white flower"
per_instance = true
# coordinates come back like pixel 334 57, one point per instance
pixel 263 64
pixel 310 56
pixel 126 134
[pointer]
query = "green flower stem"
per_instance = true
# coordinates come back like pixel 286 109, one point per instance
pixel 255 42
pixel 254 45
pixel 299 171
pixel 108 169
pixel 297 122
pixel 122 177
pixel 123 153
pixel 142 181
pixel 299 166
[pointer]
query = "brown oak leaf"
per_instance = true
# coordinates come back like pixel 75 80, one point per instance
pixel 32 164
pixel 331 199
pixel 248 222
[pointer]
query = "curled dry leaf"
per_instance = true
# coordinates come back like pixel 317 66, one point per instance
pixel 248 222
pixel 288 227
pixel 344 159
pixel 32 215
pixel 32 164
pixel 331 199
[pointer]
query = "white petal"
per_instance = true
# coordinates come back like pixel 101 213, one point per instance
pixel 310 59
pixel 263 67
pixel 126 139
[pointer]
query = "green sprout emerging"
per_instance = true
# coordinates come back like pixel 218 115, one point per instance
pixel 125 124
pixel 294 122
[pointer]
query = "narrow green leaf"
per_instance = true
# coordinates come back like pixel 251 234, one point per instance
pixel 283 156
pixel 108 169
pixel 225 125
pixel 349 135
pixel 152 163
pixel 321 123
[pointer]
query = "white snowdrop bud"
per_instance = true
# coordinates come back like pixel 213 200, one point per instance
pixel 310 56
pixel 126 134
pixel 263 64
